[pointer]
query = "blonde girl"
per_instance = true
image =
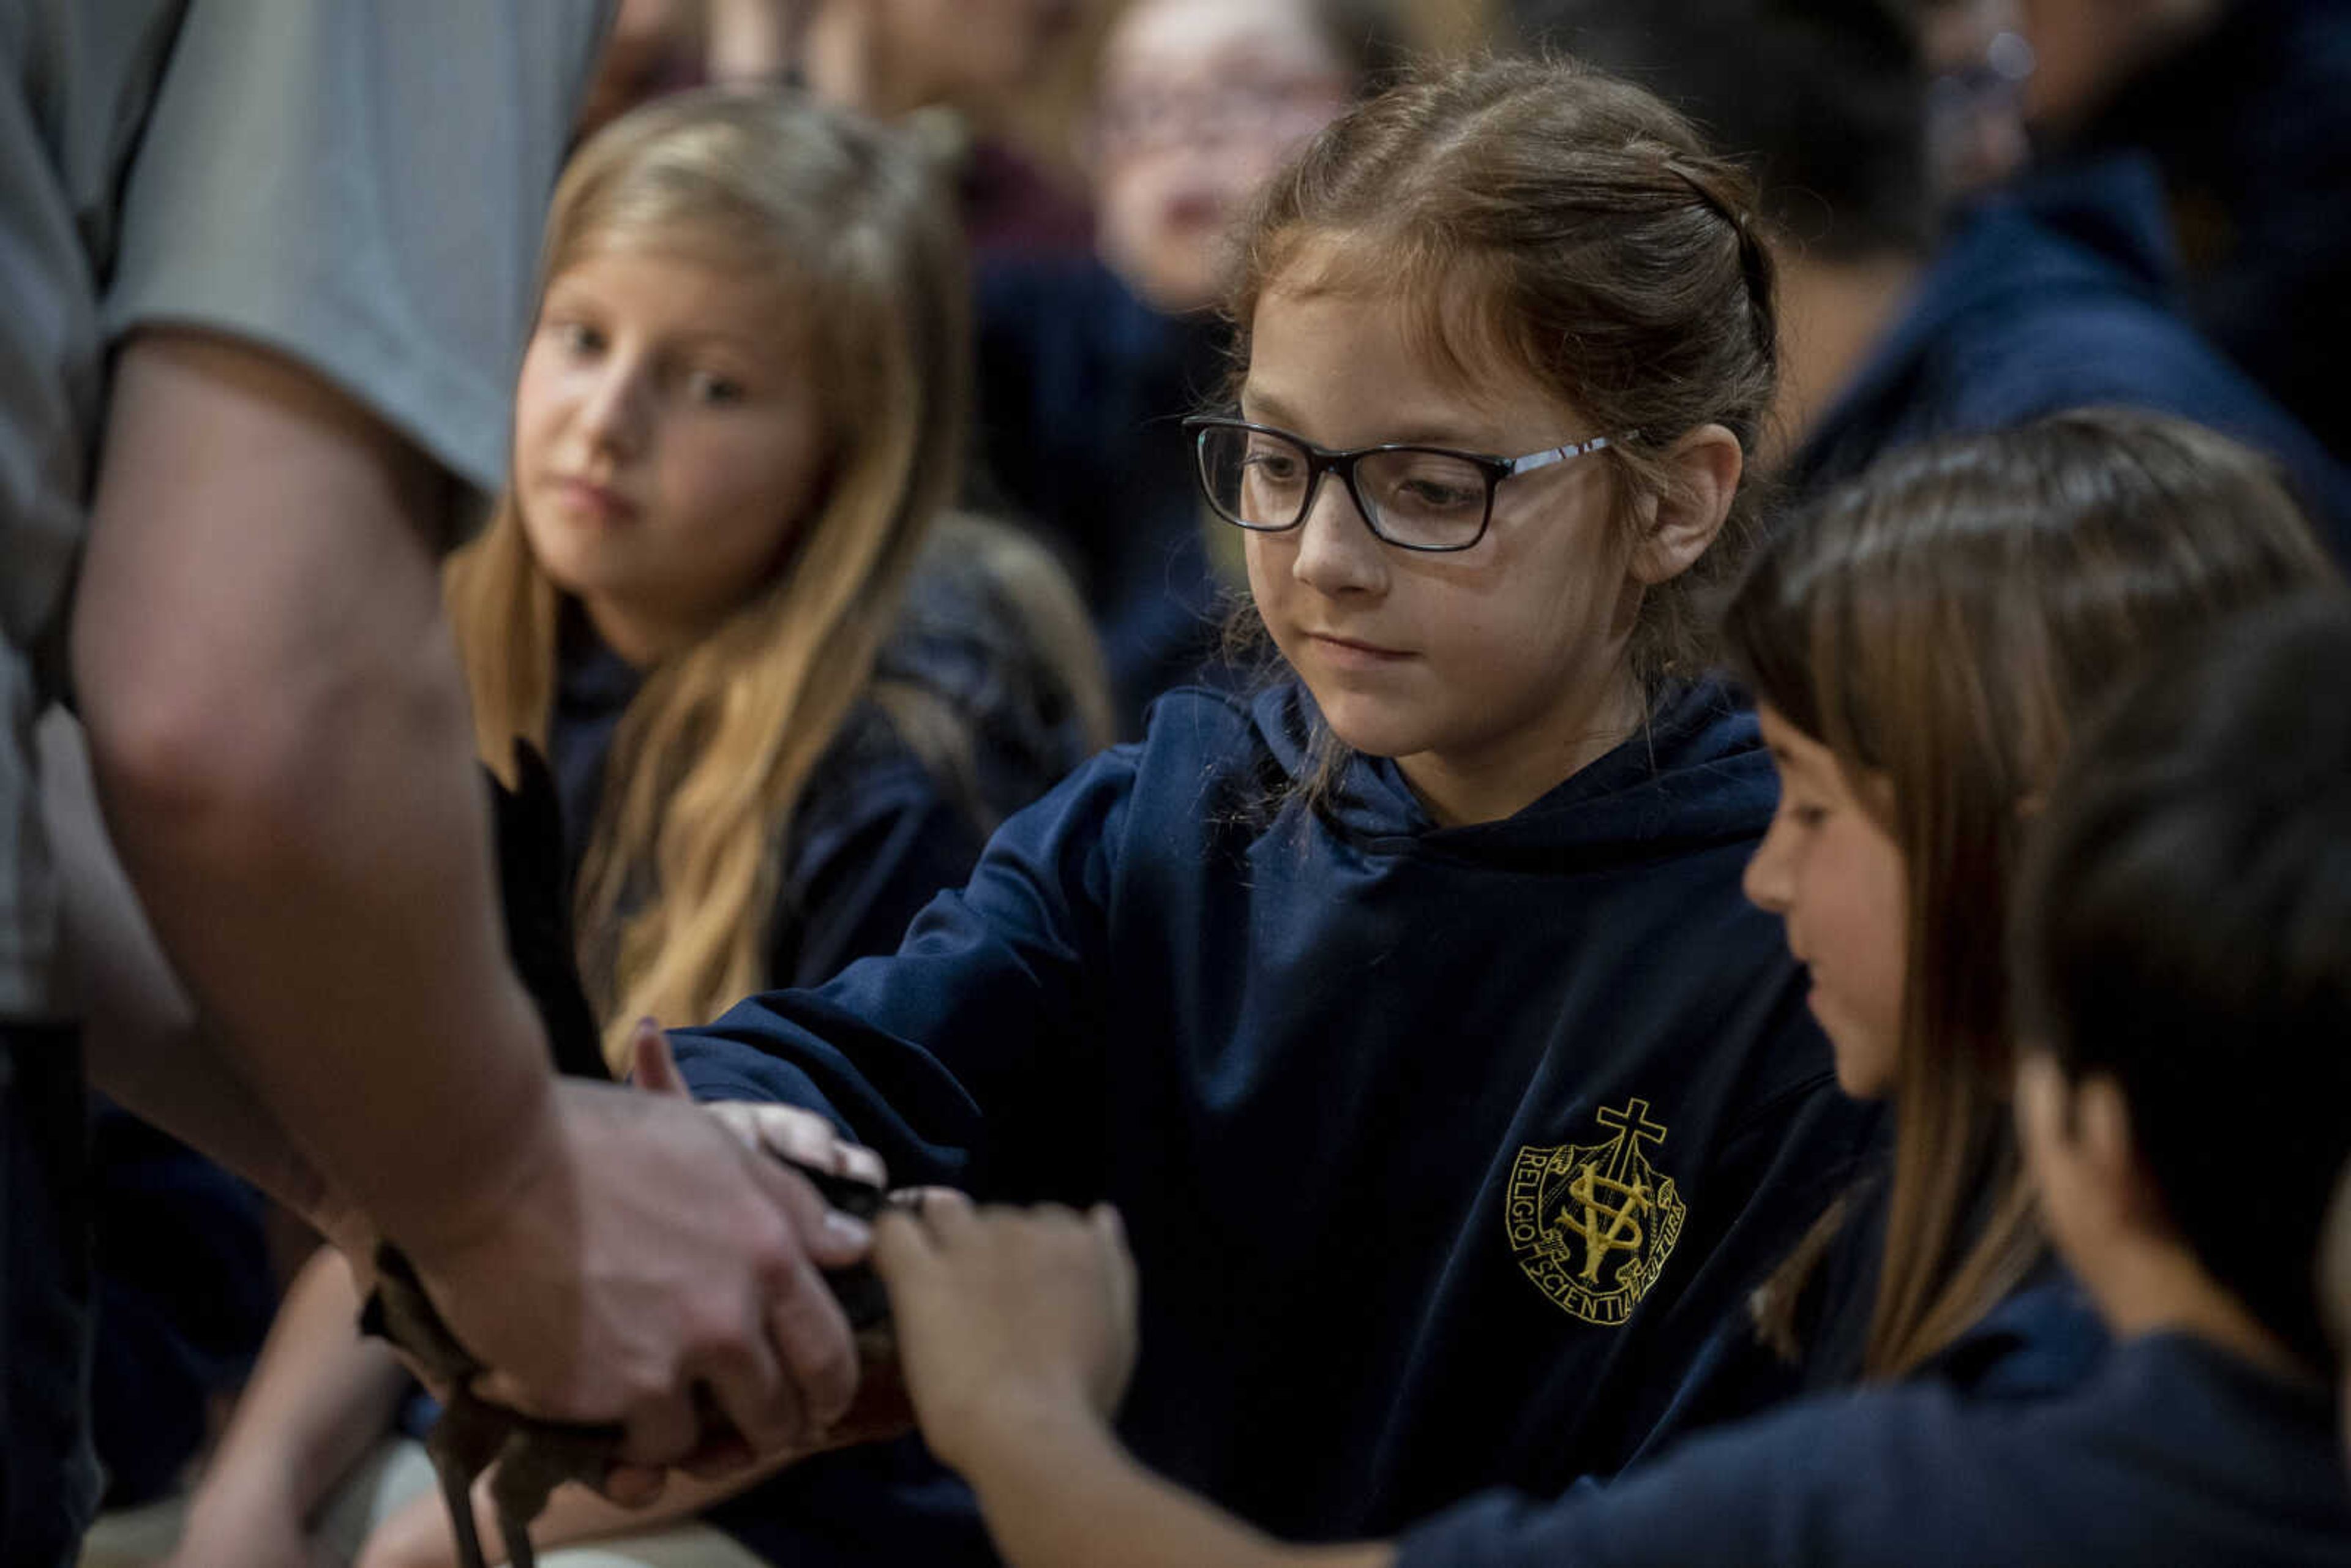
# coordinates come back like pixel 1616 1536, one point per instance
pixel 739 419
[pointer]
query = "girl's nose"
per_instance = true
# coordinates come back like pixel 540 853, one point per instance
pixel 1337 551
pixel 1765 881
pixel 613 411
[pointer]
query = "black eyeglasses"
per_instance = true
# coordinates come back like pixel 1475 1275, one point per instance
pixel 1415 497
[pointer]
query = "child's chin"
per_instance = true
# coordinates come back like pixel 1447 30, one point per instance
pixel 1863 1074
pixel 1374 740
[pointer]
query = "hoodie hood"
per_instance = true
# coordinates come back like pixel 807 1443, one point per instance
pixel 1697 778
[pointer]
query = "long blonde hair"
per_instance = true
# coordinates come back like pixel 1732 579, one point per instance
pixel 713 752
pixel 1943 624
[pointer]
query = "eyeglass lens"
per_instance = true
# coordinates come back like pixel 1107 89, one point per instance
pixel 1420 499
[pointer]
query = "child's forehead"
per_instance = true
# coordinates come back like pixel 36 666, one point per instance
pixel 1445 327
pixel 1792 748
pixel 684 265
pixel 679 286
pixel 1155 37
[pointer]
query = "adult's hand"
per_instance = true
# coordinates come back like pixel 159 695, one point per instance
pixel 646 1256
pixel 1007 1318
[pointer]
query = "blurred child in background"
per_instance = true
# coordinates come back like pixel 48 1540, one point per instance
pixel 1087 365
pixel 2241 111
pixel 1909 316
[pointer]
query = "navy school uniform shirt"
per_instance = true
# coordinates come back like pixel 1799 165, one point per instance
pixel 1441 1150
pixel 876 832
pixel 2060 292
pixel 2044 1338
pixel 877 829
pixel 2250 119
pixel 872 837
pixel 2170 1452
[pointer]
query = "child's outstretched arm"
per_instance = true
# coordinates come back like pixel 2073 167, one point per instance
pixel 318 1399
pixel 1017 1332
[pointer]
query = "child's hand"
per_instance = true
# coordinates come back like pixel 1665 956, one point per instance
pixel 1006 1317
pixel 785 1130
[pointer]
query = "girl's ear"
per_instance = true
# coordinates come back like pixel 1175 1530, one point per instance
pixel 2110 1148
pixel 2080 1150
pixel 1683 522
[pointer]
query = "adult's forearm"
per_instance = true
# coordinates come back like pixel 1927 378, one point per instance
pixel 141 1040
pixel 281 745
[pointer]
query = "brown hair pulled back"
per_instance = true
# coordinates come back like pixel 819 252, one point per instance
pixel 1542 216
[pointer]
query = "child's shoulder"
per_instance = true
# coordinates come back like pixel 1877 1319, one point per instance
pixel 1211 725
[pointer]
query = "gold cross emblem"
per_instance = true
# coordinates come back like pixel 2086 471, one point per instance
pixel 1593 1224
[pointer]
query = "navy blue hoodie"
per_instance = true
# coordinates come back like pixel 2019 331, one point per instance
pixel 2173 1453
pixel 1442 1150
pixel 2058 292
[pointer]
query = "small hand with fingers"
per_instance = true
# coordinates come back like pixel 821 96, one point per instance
pixel 1006 1316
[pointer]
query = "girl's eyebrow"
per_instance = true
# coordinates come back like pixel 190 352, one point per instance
pixel 737 342
pixel 1262 409
pixel 1268 410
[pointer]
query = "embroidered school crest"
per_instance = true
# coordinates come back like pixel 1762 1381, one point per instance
pixel 1593 1224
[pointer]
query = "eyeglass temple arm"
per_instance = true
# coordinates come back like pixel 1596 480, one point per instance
pixel 1535 460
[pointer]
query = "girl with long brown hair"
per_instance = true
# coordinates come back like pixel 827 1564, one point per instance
pixel 1922 650
pixel 1924 646
pixel 1408 1007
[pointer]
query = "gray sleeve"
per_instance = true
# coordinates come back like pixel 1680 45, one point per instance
pixel 359 185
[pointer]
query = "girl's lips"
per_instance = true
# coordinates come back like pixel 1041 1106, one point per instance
pixel 1192 210
pixel 598 501
pixel 1347 651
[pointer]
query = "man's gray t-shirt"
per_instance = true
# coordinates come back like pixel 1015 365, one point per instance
pixel 358 185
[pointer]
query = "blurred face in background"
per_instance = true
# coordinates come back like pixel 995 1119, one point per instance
pixel 1981 62
pixel 1199 102
pixel 975 55
pixel 2084 49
